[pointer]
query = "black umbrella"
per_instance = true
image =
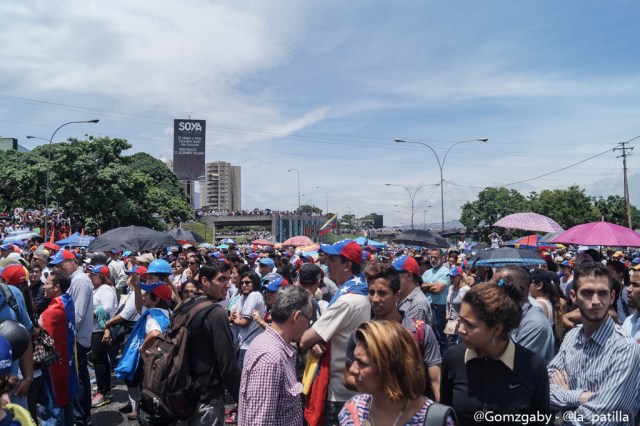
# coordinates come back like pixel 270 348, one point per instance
pixel 182 234
pixel 419 237
pixel 507 256
pixel 133 238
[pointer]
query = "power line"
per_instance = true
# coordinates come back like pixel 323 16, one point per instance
pixel 537 177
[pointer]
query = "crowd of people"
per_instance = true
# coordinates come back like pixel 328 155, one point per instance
pixel 30 219
pixel 351 336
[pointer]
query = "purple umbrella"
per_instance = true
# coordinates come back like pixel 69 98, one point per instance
pixel 529 222
pixel 600 234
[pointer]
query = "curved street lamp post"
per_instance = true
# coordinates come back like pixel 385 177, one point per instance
pixel 46 196
pixel 441 164
pixel 412 197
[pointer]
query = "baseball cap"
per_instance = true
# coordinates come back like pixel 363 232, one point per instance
pixel 406 263
pixel 140 270
pixel 14 274
pixel 618 254
pixel 636 268
pixel 61 256
pixel 272 281
pixel 5 247
pixel 455 271
pixel 252 255
pixel 43 255
pixel 145 258
pixel 309 273
pixel 6 356
pixel 266 261
pixel 346 248
pixel 115 251
pixel 159 288
pixel 366 255
pixel 100 269
pixel 565 263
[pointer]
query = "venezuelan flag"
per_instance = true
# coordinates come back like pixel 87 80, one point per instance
pixel 327 227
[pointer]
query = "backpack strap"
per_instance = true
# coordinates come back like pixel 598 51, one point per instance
pixel 437 415
pixel 180 318
pixel 11 300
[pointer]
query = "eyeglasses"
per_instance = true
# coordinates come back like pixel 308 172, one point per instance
pixel 246 282
pixel 307 317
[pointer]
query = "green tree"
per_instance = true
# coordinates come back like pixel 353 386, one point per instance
pixel 93 182
pixel 347 222
pixel 491 205
pixel 307 209
pixel 369 221
pixel 568 207
pixel 611 209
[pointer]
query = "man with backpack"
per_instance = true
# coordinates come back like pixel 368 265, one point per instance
pixel 188 367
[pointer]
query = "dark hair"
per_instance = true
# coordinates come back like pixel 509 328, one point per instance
pixel 388 273
pixel 591 269
pixel 255 280
pixel 242 268
pixel 289 299
pixel 516 281
pixel 213 270
pixel 63 281
pixel 494 304
pixel 190 281
pixel 620 268
pixel 356 268
pixel 550 290
pixel 34 266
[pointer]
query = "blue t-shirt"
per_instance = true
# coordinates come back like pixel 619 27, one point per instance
pixel 440 275
pixel 6 313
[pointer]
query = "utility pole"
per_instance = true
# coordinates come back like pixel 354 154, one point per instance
pixel 627 204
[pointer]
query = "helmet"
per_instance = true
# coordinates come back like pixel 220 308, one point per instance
pixel 159 266
pixel 17 335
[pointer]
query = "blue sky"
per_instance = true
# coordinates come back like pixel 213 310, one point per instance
pixel 325 87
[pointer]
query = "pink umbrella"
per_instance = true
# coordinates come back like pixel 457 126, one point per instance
pixel 600 234
pixel 529 222
pixel 297 241
pixel 262 242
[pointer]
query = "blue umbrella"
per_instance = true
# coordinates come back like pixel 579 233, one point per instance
pixel 507 256
pixel 228 241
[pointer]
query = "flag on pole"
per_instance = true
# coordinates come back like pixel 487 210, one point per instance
pixel 327 227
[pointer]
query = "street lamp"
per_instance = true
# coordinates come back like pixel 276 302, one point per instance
pixel 424 218
pixel 326 198
pixel 46 196
pixel 441 164
pixel 412 196
pixel 298 173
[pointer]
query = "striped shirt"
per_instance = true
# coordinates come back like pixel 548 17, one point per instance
pixel 269 390
pixel 607 364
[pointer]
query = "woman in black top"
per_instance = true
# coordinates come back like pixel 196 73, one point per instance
pixel 488 379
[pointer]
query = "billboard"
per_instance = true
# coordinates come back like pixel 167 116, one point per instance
pixel 8 143
pixel 188 148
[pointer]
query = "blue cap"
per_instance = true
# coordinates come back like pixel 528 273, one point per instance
pixel 267 261
pixel 565 263
pixel 6 356
pixel 61 256
pixel 406 263
pixel 252 255
pixel 126 253
pixel 6 247
pixel 346 248
pixel 272 282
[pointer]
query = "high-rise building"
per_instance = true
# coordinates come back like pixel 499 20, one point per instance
pixel 187 185
pixel 221 187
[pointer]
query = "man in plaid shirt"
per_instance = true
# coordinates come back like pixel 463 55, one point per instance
pixel 269 391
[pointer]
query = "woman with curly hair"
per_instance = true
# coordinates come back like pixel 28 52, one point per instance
pixel 488 372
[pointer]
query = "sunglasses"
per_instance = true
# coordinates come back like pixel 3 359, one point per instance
pixel 246 282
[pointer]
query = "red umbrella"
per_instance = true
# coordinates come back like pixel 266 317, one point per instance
pixel 600 234
pixel 262 242
pixel 299 240
pixel 51 246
